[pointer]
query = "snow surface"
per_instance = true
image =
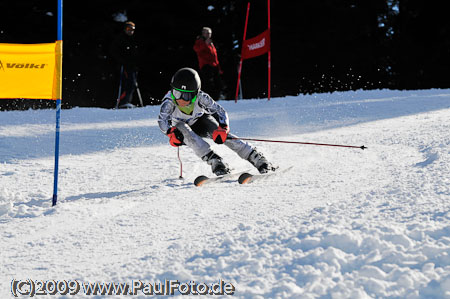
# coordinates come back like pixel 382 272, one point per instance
pixel 343 223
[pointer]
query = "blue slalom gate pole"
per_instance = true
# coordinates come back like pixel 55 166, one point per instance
pixel 58 123
pixel 58 104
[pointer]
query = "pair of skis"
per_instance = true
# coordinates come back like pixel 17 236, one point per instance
pixel 244 177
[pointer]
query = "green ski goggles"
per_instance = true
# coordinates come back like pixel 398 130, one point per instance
pixel 185 95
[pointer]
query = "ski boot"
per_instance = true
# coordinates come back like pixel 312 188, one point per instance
pixel 260 162
pixel 217 166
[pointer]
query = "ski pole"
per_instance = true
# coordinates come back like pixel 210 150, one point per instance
pixel 181 163
pixel 297 142
pixel 139 94
pixel 120 87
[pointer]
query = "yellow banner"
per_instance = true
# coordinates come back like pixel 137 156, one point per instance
pixel 30 71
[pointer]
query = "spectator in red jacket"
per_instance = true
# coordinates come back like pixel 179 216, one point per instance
pixel 209 66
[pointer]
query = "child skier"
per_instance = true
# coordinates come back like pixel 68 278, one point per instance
pixel 187 114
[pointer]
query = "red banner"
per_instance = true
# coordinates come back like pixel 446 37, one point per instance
pixel 256 46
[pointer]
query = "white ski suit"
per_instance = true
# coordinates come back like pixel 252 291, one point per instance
pixel 203 120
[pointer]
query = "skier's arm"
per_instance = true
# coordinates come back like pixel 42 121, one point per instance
pixel 211 107
pixel 165 116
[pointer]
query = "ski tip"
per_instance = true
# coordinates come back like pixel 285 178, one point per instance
pixel 200 180
pixel 245 178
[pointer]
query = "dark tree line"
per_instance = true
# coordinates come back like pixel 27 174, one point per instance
pixel 317 46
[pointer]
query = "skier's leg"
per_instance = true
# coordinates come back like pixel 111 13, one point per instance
pixel 206 125
pixel 133 79
pixel 128 88
pixel 202 149
pixel 193 140
pixel 243 149
pixel 249 153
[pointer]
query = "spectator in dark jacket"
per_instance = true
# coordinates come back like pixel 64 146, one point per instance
pixel 209 66
pixel 125 51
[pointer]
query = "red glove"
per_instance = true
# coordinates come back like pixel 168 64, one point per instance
pixel 176 137
pixel 220 134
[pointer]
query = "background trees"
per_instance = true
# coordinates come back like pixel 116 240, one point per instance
pixel 317 46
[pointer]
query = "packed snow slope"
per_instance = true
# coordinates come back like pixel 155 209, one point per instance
pixel 342 223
